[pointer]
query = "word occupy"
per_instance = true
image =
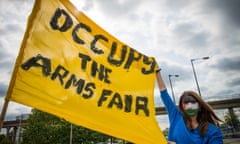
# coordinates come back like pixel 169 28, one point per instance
pixel 62 21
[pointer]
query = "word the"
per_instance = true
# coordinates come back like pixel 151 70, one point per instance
pixel 87 89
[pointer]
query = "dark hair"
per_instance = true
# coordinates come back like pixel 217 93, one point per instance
pixel 205 115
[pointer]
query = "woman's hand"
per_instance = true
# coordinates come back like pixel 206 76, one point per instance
pixel 161 84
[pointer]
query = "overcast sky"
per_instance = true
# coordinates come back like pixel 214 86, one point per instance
pixel 172 31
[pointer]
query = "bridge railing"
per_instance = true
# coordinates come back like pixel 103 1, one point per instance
pixel 222 97
pixel 159 103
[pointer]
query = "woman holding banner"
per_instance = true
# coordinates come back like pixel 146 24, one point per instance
pixel 194 122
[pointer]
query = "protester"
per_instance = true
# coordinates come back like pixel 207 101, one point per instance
pixel 194 122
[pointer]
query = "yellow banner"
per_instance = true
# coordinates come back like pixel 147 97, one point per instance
pixel 70 67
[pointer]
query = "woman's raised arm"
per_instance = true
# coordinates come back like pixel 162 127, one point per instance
pixel 161 84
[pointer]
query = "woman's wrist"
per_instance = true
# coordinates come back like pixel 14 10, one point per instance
pixel 158 70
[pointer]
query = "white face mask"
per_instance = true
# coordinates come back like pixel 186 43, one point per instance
pixel 191 109
pixel 191 105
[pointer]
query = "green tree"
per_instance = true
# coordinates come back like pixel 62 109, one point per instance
pixel 45 128
pixel 231 119
pixel 4 140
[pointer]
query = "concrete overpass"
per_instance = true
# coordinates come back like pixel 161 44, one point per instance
pixel 12 128
pixel 217 104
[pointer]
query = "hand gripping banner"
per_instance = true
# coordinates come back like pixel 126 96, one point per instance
pixel 70 67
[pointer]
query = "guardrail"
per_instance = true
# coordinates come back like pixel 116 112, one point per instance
pixel 217 104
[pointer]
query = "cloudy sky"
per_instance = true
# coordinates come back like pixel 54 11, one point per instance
pixel 172 31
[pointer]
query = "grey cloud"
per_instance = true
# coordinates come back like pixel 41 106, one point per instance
pixel 199 40
pixel 232 41
pixel 191 37
pixel 228 64
pixel 177 4
pixel 10 29
pixel 3 89
pixel 6 60
pixel 14 116
pixel 229 9
pixel 225 93
pixel 184 29
pixel 10 16
pixel 234 82
pixel 118 8
pixel 18 111
pixel 13 10
pixel 6 64
pixel 170 69
pixel 88 5
pixel 13 28
pixel 10 116
pixel 3 54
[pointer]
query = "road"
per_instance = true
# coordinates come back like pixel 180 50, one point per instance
pixel 232 141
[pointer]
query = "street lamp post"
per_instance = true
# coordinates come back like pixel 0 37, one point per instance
pixel 194 72
pixel 71 129
pixel 169 76
pixel 20 118
pixel 18 138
